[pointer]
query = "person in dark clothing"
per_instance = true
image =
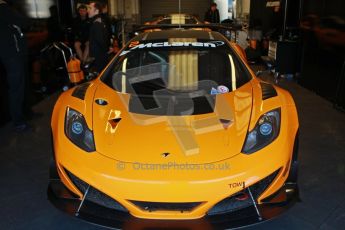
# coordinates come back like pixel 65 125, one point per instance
pixel 81 30
pixel 99 38
pixel 105 18
pixel 212 15
pixel 13 56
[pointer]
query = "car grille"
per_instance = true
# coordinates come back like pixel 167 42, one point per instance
pixel 95 195
pixel 258 188
pixel 230 204
pixel 81 185
pixel 166 206
pixel 242 199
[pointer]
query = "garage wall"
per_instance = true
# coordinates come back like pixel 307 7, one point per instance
pixel 150 8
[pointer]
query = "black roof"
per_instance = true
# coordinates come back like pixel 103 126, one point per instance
pixel 166 34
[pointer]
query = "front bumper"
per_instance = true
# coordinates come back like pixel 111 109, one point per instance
pixel 120 218
pixel 64 200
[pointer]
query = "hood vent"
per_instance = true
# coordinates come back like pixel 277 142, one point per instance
pixel 80 90
pixel 268 91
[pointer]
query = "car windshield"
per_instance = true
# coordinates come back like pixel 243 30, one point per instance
pixel 175 77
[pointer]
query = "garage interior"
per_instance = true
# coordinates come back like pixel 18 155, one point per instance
pixel 298 45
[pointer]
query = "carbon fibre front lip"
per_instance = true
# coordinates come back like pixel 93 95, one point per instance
pixel 67 202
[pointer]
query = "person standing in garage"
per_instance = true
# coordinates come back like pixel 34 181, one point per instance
pixel 13 55
pixel 99 43
pixel 81 29
pixel 212 15
pixel 106 18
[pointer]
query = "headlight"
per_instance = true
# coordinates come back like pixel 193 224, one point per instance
pixel 266 130
pixel 77 131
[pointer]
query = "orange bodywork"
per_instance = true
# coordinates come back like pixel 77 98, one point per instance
pixel 124 149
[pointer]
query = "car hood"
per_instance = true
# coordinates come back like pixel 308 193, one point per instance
pixel 194 139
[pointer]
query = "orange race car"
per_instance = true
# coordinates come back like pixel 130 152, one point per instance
pixel 176 130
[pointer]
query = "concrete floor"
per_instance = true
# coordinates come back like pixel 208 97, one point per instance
pixel 24 161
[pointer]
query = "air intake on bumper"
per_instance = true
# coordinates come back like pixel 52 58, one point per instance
pixel 95 195
pixel 166 206
pixel 242 199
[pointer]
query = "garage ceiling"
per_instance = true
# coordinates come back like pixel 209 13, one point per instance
pixel 154 8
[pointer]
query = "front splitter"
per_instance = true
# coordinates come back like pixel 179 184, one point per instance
pixel 96 214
